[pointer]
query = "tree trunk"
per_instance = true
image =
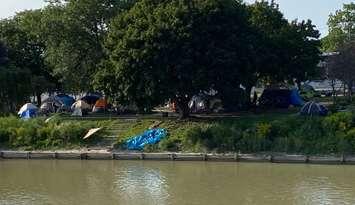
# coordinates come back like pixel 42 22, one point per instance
pixel 183 107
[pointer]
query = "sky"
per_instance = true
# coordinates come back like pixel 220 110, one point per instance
pixel 316 10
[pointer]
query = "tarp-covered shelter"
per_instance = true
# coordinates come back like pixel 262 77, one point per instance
pixel 28 111
pixel 280 98
pixel 66 99
pixel 314 109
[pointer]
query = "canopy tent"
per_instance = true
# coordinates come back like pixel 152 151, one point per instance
pixel 314 109
pixel 27 111
pixel 280 98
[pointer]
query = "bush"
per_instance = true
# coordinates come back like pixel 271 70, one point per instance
pixel 36 134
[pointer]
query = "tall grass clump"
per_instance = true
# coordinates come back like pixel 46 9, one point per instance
pixel 37 134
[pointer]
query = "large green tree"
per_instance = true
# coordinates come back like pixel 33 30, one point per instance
pixel 341 28
pixel 25 53
pixel 14 82
pixel 286 51
pixel 161 50
pixel 75 30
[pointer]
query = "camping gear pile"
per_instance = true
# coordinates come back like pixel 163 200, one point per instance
pixel 149 137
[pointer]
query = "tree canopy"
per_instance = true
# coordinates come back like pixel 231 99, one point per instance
pixel 341 28
pixel 161 50
pixel 146 52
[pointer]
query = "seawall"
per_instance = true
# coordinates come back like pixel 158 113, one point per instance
pixel 99 155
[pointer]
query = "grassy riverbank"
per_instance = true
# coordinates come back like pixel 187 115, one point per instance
pixel 289 133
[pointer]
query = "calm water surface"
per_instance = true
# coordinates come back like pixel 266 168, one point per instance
pixel 160 183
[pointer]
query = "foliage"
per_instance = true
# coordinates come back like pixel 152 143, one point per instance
pixel 74 32
pixel 341 28
pixel 36 134
pixel 288 51
pixel 161 50
pixel 25 73
pixel 14 83
pixel 148 52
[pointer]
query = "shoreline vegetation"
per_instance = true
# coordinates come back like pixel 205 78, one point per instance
pixel 287 133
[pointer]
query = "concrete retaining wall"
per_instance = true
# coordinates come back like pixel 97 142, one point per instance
pixel 178 157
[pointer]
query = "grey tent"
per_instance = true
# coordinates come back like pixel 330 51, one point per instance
pixel 52 105
pixel 314 109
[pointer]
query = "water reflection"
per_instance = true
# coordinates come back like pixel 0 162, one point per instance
pixel 140 183
pixel 161 183
pixel 322 191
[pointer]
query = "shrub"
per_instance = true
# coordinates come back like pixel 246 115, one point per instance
pixel 36 134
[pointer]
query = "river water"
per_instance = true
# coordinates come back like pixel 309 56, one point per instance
pixel 159 183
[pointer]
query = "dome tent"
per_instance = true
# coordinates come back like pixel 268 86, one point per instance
pixel 100 105
pixel 51 105
pixel 28 111
pixel 80 104
pixel 66 99
pixel 313 109
pixel 80 108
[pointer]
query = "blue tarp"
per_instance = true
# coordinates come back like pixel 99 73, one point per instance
pixel 295 98
pixel 66 99
pixel 152 136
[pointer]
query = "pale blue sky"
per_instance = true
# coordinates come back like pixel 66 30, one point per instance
pixel 316 10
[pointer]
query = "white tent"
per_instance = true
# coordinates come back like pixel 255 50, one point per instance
pixel 27 106
pixel 80 104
